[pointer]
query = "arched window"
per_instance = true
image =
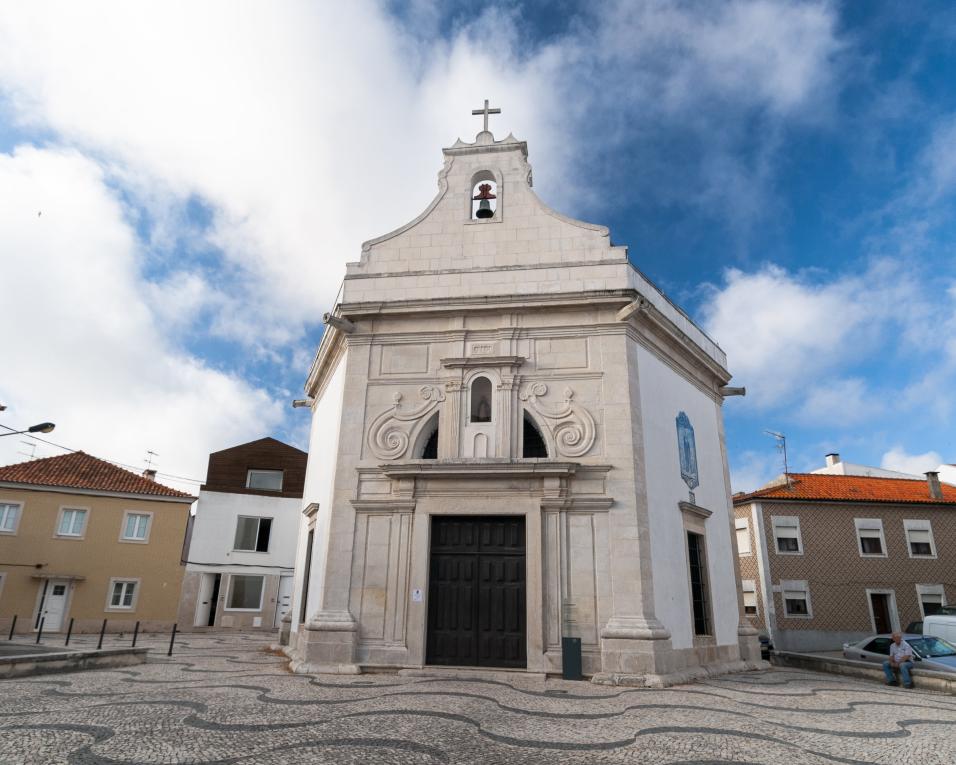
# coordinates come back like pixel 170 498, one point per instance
pixel 532 442
pixel 481 400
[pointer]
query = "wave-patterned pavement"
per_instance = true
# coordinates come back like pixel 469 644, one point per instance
pixel 224 698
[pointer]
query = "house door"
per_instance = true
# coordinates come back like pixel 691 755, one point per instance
pixel 284 601
pixel 206 602
pixel 52 605
pixel 880 602
pixel 476 592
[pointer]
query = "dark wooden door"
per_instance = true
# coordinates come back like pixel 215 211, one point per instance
pixel 476 592
pixel 881 612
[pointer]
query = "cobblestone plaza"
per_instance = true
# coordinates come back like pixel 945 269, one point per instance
pixel 226 698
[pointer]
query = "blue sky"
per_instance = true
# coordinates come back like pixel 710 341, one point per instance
pixel 181 186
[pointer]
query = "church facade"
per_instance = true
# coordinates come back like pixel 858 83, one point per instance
pixel 516 438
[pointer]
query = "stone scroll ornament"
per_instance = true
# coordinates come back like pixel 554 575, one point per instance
pixel 390 432
pixel 573 426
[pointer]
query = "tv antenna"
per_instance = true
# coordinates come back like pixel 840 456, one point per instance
pixel 781 446
pixel 149 458
pixel 32 447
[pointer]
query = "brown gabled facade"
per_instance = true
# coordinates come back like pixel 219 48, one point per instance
pixel 230 469
pixel 83 539
pixel 834 558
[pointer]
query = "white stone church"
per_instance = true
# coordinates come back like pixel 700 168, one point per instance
pixel 516 438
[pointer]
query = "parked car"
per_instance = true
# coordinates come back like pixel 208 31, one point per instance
pixel 931 652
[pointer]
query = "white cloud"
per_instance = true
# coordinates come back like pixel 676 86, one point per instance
pixel 82 347
pixel 898 459
pixel 840 402
pixel 781 332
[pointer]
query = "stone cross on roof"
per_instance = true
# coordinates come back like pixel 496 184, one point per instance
pixel 486 111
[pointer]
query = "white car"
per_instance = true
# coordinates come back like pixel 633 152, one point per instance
pixel 928 652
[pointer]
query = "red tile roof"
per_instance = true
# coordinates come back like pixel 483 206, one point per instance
pixel 851 488
pixel 79 470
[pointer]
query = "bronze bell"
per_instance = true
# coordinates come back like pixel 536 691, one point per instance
pixel 484 206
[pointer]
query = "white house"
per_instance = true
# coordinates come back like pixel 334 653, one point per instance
pixel 240 548
pixel 516 439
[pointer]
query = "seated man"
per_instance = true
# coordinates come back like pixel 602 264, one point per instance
pixel 901 658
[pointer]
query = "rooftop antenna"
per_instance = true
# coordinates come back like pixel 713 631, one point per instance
pixel 782 446
pixel 33 450
pixel 149 458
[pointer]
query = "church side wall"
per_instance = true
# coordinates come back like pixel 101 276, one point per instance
pixel 319 477
pixel 664 394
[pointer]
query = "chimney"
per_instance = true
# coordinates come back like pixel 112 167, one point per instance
pixel 832 459
pixel 150 475
pixel 932 478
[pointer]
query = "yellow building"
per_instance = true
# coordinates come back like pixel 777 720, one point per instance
pixel 85 540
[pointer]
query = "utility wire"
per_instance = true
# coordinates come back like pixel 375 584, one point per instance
pixel 115 462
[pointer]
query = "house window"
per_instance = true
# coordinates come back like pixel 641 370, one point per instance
pixel 698 583
pixel 743 536
pixel 122 594
pixel 245 593
pixel 931 598
pixel 796 599
pixel 919 539
pixel 9 517
pixel 749 587
pixel 265 480
pixel 870 533
pixel 786 532
pixel 72 522
pixel 481 400
pixel 136 527
pixel 252 534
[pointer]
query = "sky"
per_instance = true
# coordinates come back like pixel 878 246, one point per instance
pixel 181 185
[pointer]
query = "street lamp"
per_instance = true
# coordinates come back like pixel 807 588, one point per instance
pixel 43 427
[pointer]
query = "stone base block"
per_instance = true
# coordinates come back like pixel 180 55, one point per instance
pixel 686 675
pixel 326 646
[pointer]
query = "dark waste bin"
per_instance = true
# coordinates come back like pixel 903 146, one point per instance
pixel 571 658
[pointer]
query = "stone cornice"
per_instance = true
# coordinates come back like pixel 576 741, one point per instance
pixel 562 264
pixel 384 505
pixel 697 510
pixel 480 468
pixel 483 361
pixel 573 502
pixel 487 302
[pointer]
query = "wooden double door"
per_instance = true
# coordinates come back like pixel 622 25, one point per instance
pixel 476 592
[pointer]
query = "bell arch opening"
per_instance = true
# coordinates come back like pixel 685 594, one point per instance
pixel 533 445
pixel 484 195
pixel 481 400
pixel 428 440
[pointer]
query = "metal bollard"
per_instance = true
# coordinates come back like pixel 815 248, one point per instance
pixel 102 630
pixel 13 626
pixel 172 640
pixel 40 632
pixel 135 633
pixel 69 631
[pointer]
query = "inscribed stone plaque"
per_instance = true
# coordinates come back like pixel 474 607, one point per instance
pixel 404 359
pixel 562 352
